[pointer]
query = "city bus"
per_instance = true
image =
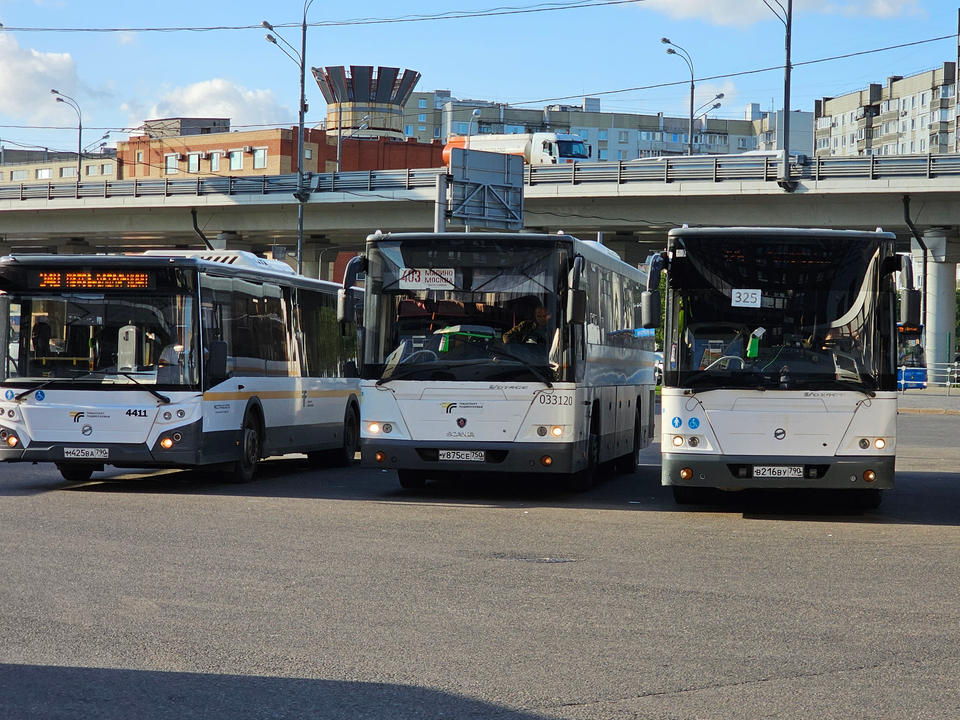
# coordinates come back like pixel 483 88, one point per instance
pixel 502 353
pixel 911 359
pixel 780 367
pixel 176 359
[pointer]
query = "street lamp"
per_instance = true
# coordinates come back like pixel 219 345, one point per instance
pixel 672 50
pixel 66 99
pixel 787 19
pixel 98 140
pixel 300 58
pixel 475 115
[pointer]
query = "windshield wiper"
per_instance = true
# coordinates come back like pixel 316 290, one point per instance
pixel 159 396
pixel 532 368
pixel 413 369
pixel 22 395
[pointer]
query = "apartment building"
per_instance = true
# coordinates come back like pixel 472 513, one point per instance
pixel 904 116
pixel 611 136
pixel 40 166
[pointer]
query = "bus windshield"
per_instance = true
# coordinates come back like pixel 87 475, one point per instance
pixel 108 339
pixel 910 347
pixel 776 312
pixel 481 310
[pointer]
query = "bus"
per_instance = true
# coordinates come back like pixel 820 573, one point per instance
pixel 502 353
pixel 911 359
pixel 780 361
pixel 173 359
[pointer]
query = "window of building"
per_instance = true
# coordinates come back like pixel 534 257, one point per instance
pixel 913 146
pixel 601 135
pixel 741 143
pixel 422 117
pixel 140 156
pixel 260 158
pixel 923 122
pixel 421 128
pixel 236 160
pixel 170 164
pixel 462 128
pixel 923 145
pixel 913 123
pixel 90 170
pixel 106 169
pixel 18 175
pixel 602 154
pixel 308 153
pixel 436 132
pixel 584 134
pixel 423 103
pixel 68 172
pixel 193 162
pixel 214 162
pixel 44 173
pixel 620 155
pixel 408 130
pixel 923 98
pixel 623 136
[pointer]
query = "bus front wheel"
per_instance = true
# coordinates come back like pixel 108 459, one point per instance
pixel 411 479
pixel 583 480
pixel 245 468
pixel 75 473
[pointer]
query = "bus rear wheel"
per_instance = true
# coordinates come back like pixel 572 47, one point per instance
pixel 75 473
pixel 246 467
pixel 411 479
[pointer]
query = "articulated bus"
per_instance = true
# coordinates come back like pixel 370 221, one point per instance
pixel 173 359
pixel 780 367
pixel 502 353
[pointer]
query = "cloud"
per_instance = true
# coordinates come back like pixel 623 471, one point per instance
pixel 749 12
pixel 26 77
pixel 221 98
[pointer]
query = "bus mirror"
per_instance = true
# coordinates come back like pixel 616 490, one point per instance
pixel 356 265
pixel 217 362
pixel 576 273
pixel 346 306
pixel 650 309
pixel 910 307
pixel 576 307
pixel 654 268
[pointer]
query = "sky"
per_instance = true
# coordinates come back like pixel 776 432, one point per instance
pixel 551 54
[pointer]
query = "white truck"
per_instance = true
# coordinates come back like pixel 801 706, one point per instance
pixel 540 148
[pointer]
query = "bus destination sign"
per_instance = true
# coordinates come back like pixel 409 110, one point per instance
pixel 91 280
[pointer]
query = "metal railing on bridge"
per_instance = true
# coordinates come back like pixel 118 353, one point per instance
pixel 698 168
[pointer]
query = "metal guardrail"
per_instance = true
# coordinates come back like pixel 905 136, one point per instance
pixel 699 168
pixel 941 379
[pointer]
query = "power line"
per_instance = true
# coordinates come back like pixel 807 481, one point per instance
pixel 741 73
pixel 450 15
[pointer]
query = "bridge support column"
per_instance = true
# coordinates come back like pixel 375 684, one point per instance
pixel 940 289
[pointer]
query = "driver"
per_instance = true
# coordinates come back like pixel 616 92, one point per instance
pixel 533 331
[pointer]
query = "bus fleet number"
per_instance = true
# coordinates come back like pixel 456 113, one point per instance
pixel 556 400
pixel 136 413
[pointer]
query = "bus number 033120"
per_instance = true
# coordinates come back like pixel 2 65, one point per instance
pixel 556 400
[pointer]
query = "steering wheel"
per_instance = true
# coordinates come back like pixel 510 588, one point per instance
pixel 432 356
pixel 729 358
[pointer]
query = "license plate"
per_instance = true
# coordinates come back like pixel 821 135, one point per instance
pixel 778 471
pixel 87 453
pixel 463 455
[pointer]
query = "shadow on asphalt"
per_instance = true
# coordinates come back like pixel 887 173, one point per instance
pixel 55 693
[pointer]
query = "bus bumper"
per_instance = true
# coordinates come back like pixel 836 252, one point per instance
pixel 727 471
pixel 185 451
pixel 504 457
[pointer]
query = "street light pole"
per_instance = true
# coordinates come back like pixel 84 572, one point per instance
pixel 67 100
pixel 687 59
pixel 302 194
pixel 787 19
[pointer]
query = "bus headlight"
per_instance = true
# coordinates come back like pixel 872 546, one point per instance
pixel 864 443
pixel 557 431
pixel 166 443
pixel 693 442
pixel 677 440
pixel 879 443
pixel 373 428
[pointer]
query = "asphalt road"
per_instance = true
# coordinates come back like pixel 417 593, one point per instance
pixel 335 594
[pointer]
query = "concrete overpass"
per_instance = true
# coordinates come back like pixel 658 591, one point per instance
pixel 631 205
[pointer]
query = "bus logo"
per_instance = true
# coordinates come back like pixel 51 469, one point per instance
pixel 76 415
pixel 461 422
pixel 448 407
pixel 779 433
pixel 87 430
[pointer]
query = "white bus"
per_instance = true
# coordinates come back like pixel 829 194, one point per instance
pixel 173 359
pixel 780 361
pixel 492 352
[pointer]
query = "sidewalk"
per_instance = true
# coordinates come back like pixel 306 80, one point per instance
pixel 932 401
